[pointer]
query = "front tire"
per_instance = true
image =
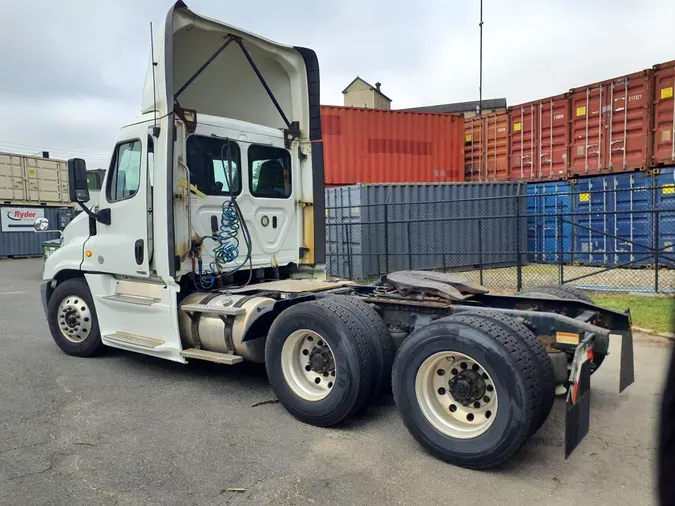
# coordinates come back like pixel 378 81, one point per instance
pixel 72 319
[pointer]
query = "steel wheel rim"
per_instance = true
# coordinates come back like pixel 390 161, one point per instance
pixel 299 350
pixel 460 420
pixel 74 318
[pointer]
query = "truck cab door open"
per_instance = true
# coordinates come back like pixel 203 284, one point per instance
pixel 122 247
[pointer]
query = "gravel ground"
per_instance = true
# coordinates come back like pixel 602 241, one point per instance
pixel 128 429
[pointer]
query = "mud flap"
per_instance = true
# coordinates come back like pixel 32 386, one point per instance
pixel 627 371
pixel 578 405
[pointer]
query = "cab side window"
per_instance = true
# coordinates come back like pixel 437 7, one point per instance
pixel 125 171
pixel 214 165
pixel 269 172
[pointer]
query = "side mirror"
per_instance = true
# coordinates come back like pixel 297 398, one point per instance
pixel 41 225
pixel 77 180
pixel 79 190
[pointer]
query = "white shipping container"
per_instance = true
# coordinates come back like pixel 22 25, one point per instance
pixel 33 180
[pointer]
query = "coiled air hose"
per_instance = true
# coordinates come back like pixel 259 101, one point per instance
pixel 227 238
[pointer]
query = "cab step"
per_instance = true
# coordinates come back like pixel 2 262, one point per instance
pixel 132 299
pixel 218 310
pixel 133 339
pixel 211 356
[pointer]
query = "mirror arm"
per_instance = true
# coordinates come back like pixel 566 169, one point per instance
pixel 103 216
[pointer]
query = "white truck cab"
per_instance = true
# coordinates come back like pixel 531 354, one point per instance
pixel 209 223
pixel 213 185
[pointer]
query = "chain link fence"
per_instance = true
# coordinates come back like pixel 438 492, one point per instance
pixel 606 240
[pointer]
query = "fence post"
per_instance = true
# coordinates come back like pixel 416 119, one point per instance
pixel 386 238
pixel 561 277
pixel 349 251
pixel 409 248
pixel 519 260
pixel 480 249
pixel 656 244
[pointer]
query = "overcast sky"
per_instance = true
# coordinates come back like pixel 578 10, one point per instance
pixel 71 72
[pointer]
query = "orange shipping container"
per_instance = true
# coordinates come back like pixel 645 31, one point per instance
pixel 376 146
pixel 486 143
pixel 539 136
pixel 610 125
pixel 663 137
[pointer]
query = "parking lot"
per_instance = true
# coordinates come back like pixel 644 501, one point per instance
pixel 122 428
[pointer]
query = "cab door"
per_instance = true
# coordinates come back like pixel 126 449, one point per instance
pixel 122 247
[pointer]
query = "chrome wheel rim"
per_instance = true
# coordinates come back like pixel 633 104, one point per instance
pixel 74 318
pixel 456 395
pixel 308 365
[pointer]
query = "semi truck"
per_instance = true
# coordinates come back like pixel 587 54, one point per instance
pixel 207 243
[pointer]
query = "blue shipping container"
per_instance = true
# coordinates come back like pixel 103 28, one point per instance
pixel 665 204
pixel 545 202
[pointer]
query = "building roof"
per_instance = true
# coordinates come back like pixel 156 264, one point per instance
pixel 357 78
pixel 458 107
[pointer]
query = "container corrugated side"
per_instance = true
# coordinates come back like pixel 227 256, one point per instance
pixel 539 137
pixel 663 121
pixel 29 243
pixel 377 146
pixel 486 144
pixel 546 235
pixel 442 226
pixel 29 180
pixel 610 125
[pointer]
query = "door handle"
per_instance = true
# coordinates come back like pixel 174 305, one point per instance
pixel 138 251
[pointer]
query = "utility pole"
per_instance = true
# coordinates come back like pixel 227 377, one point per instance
pixel 480 81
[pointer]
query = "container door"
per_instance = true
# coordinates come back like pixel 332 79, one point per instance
pixel 122 247
pixel 533 223
pixel 593 225
pixel 12 180
pixel 553 138
pixel 665 204
pixel 587 126
pixel 633 220
pixel 473 149
pixel 522 142
pixel 663 135
pixel 496 147
pixel 46 181
pixel 627 123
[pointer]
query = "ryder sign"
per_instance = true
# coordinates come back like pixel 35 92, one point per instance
pixel 19 219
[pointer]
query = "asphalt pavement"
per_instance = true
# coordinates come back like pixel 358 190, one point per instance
pixel 123 428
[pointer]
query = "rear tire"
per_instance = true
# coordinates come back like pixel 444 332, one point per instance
pixel 345 384
pixel 507 369
pixel 72 318
pixel 382 346
pixel 545 377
